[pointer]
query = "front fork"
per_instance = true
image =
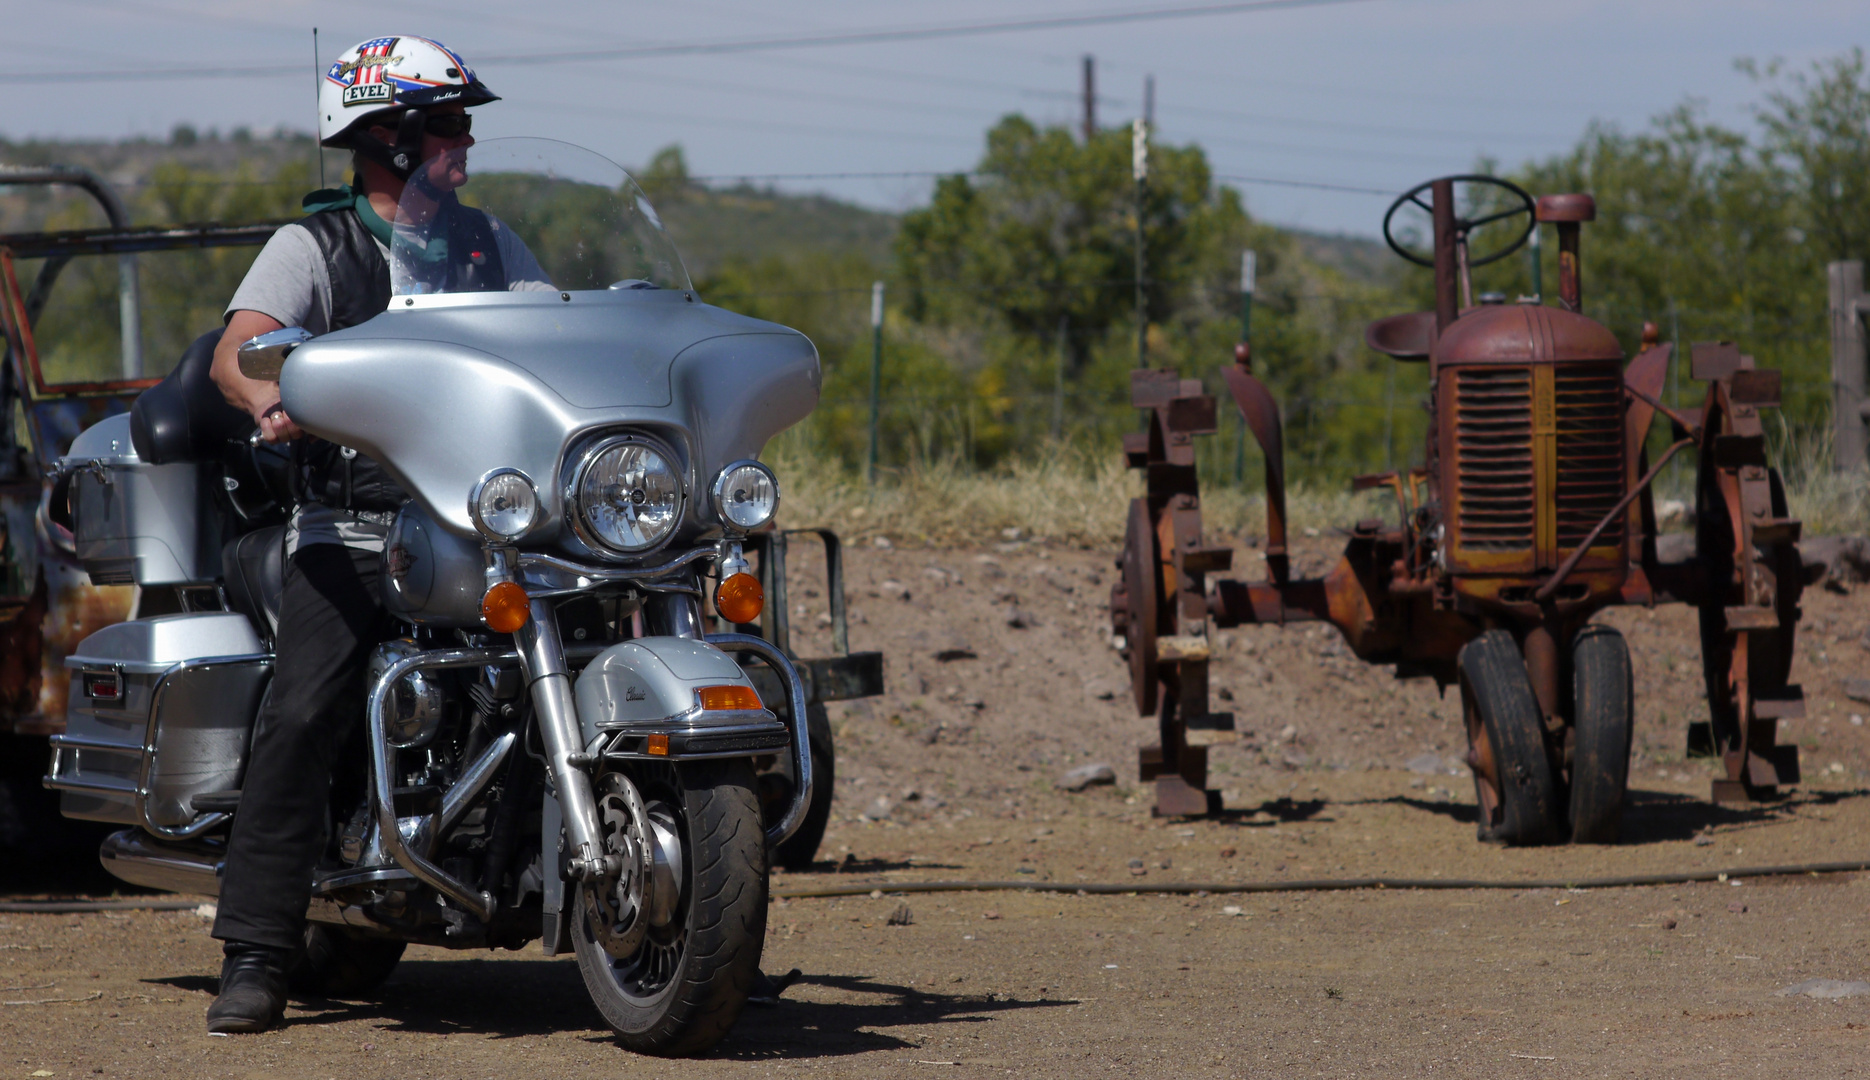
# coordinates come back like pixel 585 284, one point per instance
pixel 542 663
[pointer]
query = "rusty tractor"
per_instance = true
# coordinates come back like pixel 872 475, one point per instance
pixel 1531 513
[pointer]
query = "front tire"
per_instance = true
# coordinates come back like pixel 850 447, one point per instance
pixel 1513 781
pixel 684 986
pixel 1602 704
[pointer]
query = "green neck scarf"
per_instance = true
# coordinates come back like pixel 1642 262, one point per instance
pixel 349 198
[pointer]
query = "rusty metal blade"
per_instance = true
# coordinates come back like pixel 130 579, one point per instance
pixel 1645 375
pixel 1262 415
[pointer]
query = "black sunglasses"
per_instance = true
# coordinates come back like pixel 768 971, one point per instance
pixel 448 125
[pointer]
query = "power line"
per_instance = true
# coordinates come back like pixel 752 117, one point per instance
pixel 694 48
pixel 781 177
pixel 921 33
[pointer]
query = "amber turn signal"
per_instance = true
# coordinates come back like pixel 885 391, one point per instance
pixel 740 599
pixel 505 608
pixel 657 745
pixel 727 698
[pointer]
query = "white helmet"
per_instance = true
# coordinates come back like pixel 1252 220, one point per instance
pixel 393 75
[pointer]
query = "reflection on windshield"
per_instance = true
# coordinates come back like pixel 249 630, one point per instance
pixel 519 214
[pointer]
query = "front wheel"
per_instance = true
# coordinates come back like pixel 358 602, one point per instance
pixel 1513 781
pixel 669 953
pixel 1602 700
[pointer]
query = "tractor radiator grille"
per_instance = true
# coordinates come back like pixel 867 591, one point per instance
pixel 1588 400
pixel 1493 450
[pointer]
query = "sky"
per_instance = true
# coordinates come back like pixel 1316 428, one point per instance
pixel 1291 102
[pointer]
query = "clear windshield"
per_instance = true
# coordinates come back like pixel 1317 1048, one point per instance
pixel 528 214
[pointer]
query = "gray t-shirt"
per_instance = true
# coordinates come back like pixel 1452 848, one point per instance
pixel 291 282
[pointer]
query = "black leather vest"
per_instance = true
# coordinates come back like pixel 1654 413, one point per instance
pixel 360 291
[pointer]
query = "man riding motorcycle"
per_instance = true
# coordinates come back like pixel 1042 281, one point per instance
pixel 399 104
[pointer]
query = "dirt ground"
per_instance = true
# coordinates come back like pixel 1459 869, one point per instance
pixel 1002 677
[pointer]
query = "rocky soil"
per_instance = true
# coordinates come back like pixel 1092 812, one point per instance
pixel 1002 678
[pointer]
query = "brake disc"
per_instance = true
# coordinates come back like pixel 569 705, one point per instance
pixel 618 907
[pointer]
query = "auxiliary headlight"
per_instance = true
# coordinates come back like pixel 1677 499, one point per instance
pixel 504 505
pixel 745 495
pixel 628 495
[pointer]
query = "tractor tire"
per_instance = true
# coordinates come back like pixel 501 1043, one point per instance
pixel 1603 698
pixel 1513 779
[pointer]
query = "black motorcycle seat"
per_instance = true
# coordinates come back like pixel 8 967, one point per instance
pixel 184 417
pixel 254 568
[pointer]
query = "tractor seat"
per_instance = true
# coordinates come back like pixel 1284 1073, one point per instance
pixel 184 417
pixel 254 568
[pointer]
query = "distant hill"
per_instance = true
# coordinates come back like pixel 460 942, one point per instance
pixel 753 224
pixel 1362 259
pixel 709 226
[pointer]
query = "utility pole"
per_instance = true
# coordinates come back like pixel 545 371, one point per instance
pixel 1090 98
pixel 1139 170
pixel 1249 275
pixel 1149 100
pixel 876 374
pixel 1849 409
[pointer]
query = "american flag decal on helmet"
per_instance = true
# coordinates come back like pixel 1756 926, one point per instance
pixel 362 78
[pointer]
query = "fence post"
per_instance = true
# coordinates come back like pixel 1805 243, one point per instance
pixel 1848 306
pixel 1058 381
pixel 1249 278
pixel 876 374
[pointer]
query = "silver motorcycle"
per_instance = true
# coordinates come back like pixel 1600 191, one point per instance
pixel 556 749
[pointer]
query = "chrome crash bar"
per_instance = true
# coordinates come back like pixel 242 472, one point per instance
pixel 781 831
pixel 389 834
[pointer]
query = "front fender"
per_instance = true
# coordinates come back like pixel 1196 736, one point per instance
pixel 651 686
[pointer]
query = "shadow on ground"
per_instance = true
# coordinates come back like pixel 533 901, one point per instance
pixel 1281 810
pixel 504 999
pixel 851 864
pixel 802 1029
pixel 1655 816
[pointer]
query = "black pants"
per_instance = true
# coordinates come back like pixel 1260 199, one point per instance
pixel 330 617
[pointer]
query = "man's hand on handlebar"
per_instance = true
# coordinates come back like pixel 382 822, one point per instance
pixel 275 425
pixel 256 398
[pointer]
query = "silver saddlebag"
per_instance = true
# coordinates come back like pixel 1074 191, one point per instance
pixel 161 710
pixel 134 523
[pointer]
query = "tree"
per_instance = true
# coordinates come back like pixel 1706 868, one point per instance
pixel 1042 235
pixel 1818 132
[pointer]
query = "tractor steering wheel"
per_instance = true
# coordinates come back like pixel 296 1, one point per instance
pixel 1463 227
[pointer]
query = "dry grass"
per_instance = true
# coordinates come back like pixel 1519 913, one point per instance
pixel 1830 503
pixel 1077 497
pixel 1068 497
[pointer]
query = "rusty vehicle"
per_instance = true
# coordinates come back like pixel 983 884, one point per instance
pixel 1532 511
pixel 47 602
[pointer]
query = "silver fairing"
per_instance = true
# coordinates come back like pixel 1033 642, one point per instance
pixel 442 389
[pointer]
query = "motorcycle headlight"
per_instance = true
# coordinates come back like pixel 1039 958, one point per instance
pixel 628 494
pixel 745 495
pixel 504 505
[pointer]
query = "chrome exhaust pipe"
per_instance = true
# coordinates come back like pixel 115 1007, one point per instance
pixel 134 856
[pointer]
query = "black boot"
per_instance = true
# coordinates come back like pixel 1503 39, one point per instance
pixel 253 989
